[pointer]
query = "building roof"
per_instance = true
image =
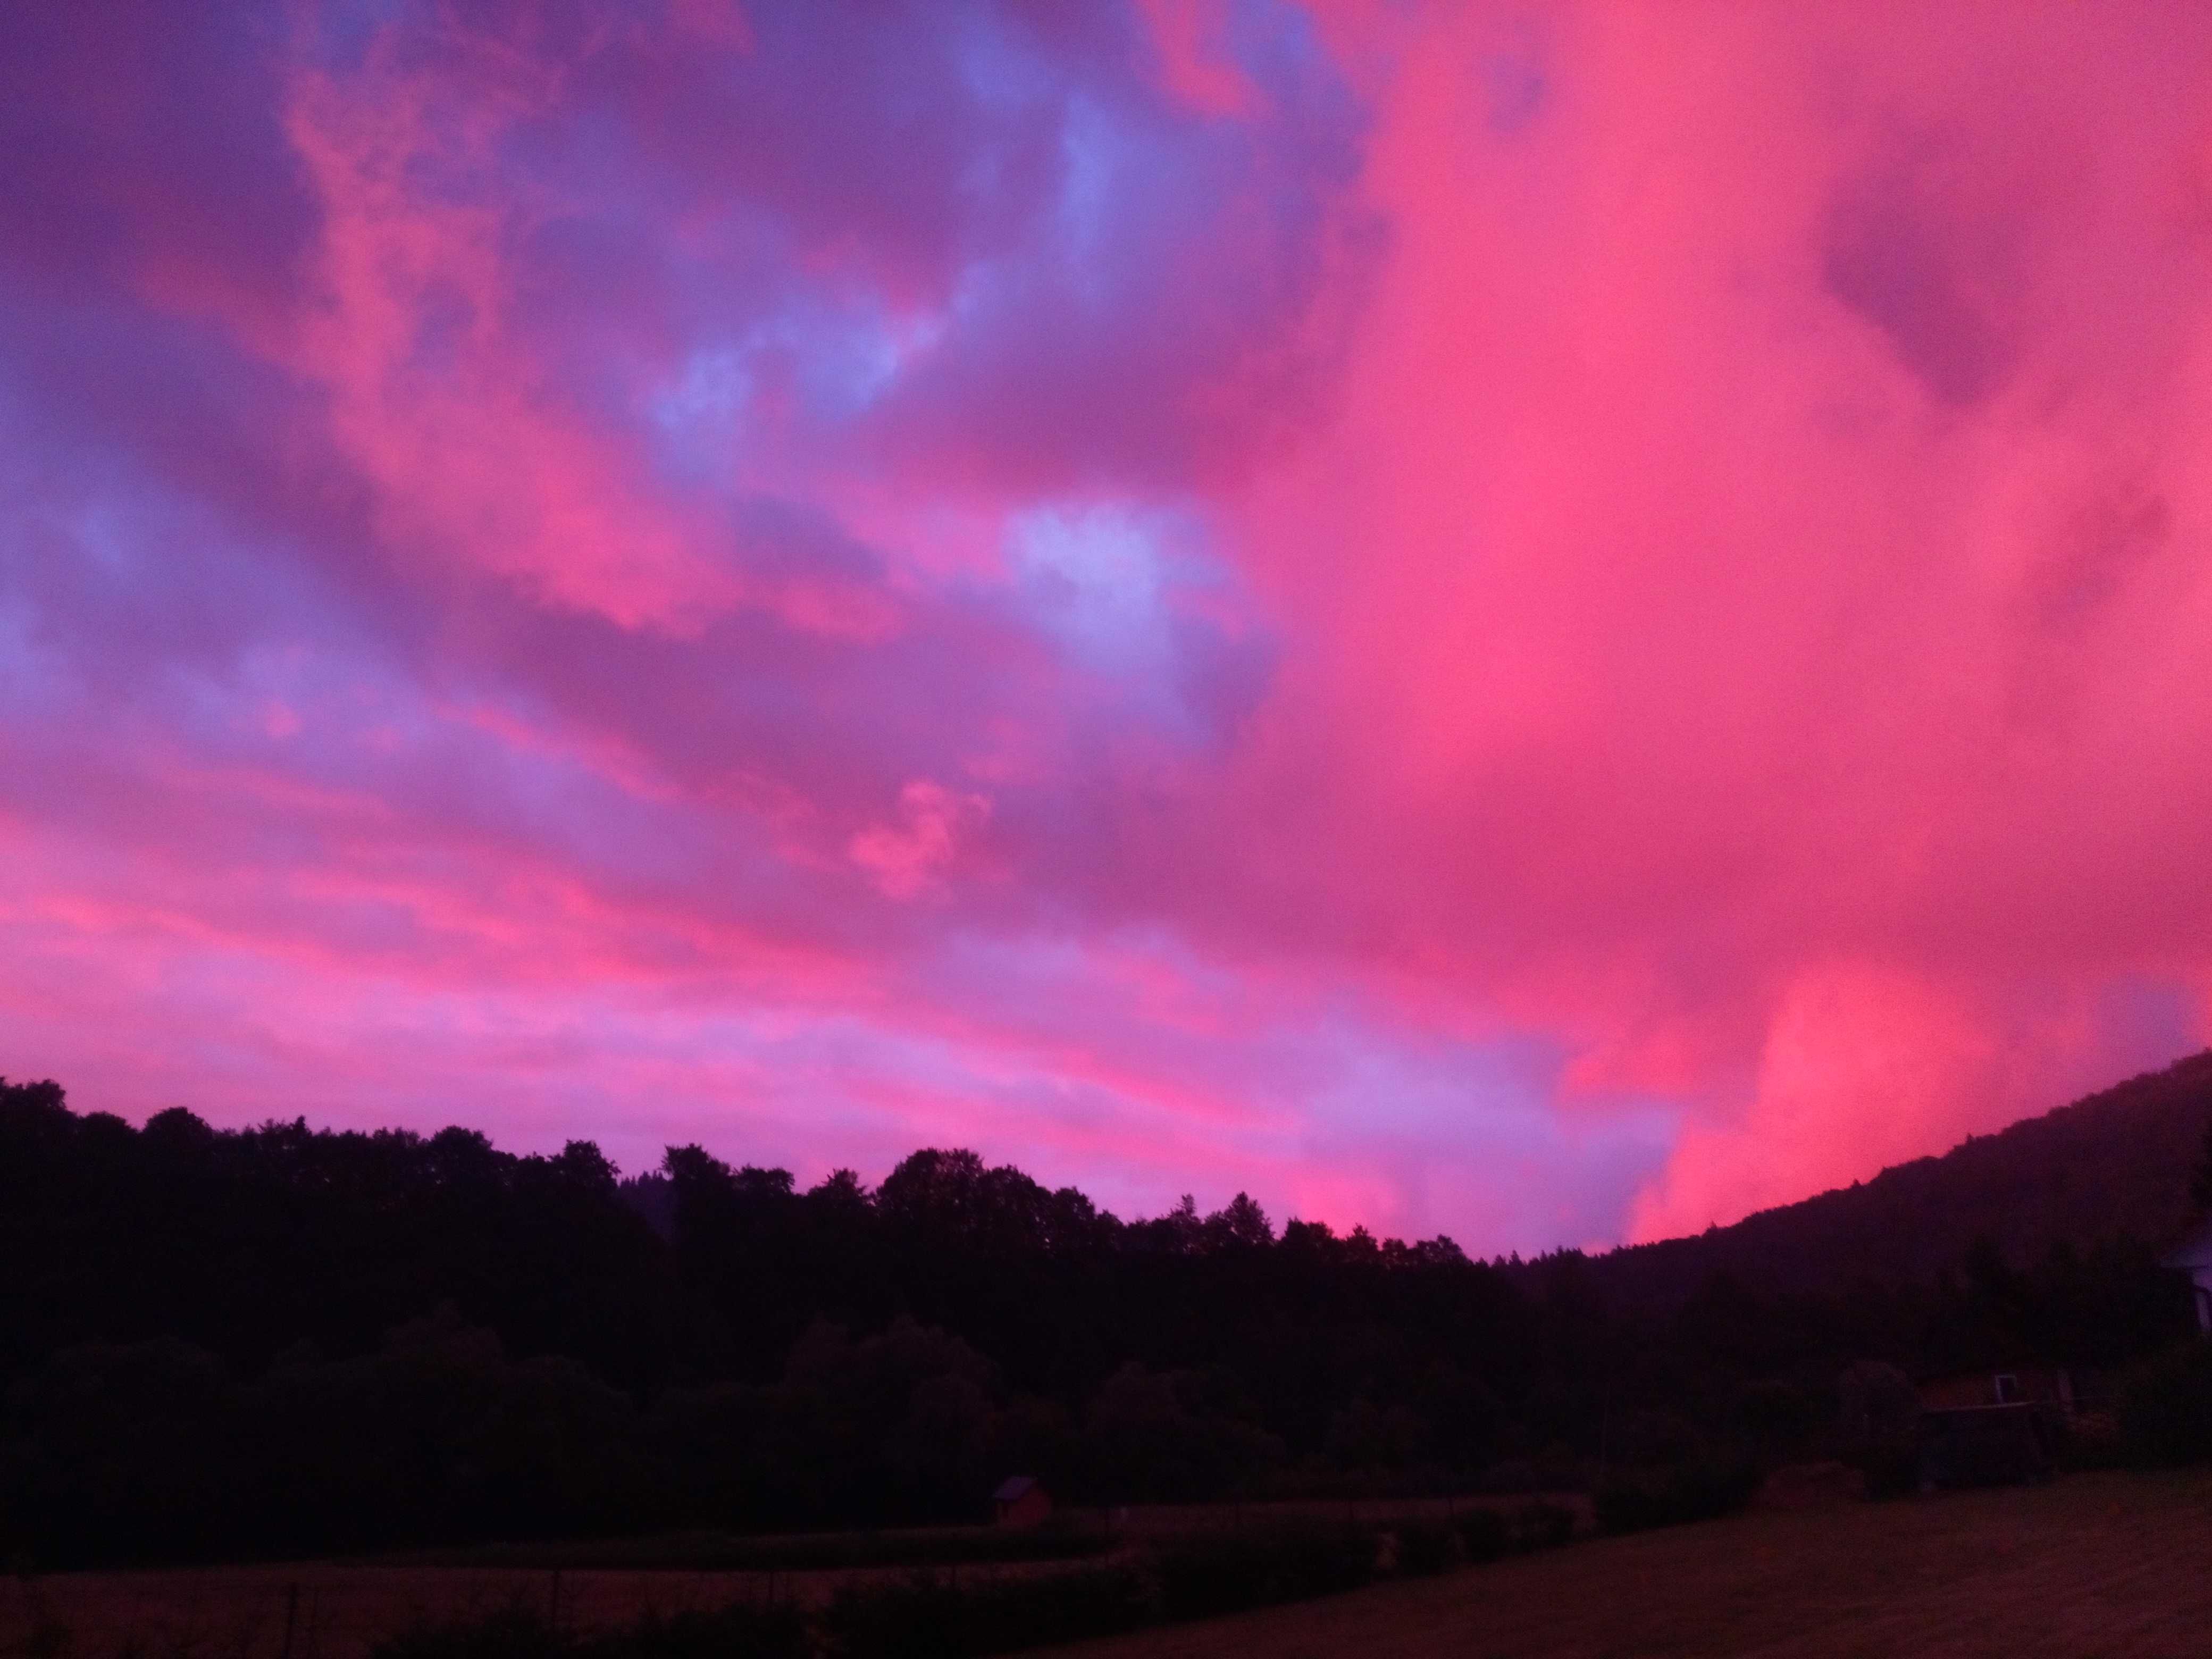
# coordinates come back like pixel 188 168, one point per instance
pixel 1013 1488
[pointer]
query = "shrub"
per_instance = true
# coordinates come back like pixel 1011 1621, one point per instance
pixel 2094 1441
pixel 1891 1468
pixel 1061 1538
pixel 927 1616
pixel 1542 1526
pixel 1877 1427
pixel 1484 1534
pixel 1425 1548
pixel 1700 1488
pixel 1778 1416
pixel 1557 1468
pixel 2166 1407
pixel 1202 1575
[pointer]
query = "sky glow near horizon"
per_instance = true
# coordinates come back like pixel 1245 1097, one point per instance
pixel 1547 623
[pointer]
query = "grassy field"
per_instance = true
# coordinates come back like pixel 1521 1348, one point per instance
pixel 334 1610
pixel 2094 1565
pixel 340 1609
pixel 1072 1534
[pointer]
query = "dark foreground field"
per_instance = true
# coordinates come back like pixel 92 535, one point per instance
pixel 2098 1565
pixel 342 1609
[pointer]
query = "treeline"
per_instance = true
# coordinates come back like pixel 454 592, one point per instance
pixel 282 1340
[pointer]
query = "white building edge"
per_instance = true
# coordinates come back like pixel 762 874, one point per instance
pixel 2193 1256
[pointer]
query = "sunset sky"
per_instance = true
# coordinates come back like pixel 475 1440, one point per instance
pixel 1547 623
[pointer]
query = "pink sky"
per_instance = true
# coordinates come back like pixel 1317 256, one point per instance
pixel 1546 623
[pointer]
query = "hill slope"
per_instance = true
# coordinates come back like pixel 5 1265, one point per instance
pixel 2115 1163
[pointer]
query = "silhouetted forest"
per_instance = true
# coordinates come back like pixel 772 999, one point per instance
pixel 285 1339
pixel 2119 1160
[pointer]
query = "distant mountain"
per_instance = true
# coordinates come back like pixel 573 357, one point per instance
pixel 2117 1163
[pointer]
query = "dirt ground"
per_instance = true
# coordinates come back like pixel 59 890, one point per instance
pixel 2090 1566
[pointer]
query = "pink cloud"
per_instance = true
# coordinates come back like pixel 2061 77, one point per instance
pixel 905 858
pixel 1716 636
pixel 1196 64
pixel 1551 623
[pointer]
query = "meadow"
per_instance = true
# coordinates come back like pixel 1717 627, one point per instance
pixel 2098 1563
pixel 2107 1564
pixel 342 1608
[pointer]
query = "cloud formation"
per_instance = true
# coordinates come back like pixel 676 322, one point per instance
pixel 1552 624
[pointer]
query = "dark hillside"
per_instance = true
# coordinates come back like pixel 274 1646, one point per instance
pixel 2115 1163
pixel 287 1340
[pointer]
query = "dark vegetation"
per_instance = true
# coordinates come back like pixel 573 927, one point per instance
pixel 1200 1574
pixel 2120 1157
pixel 739 1631
pixel 284 1341
pixel 1065 1538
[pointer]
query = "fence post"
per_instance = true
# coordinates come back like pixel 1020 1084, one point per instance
pixel 291 1615
pixel 553 1616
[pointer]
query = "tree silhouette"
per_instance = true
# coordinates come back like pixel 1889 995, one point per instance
pixel 287 1340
